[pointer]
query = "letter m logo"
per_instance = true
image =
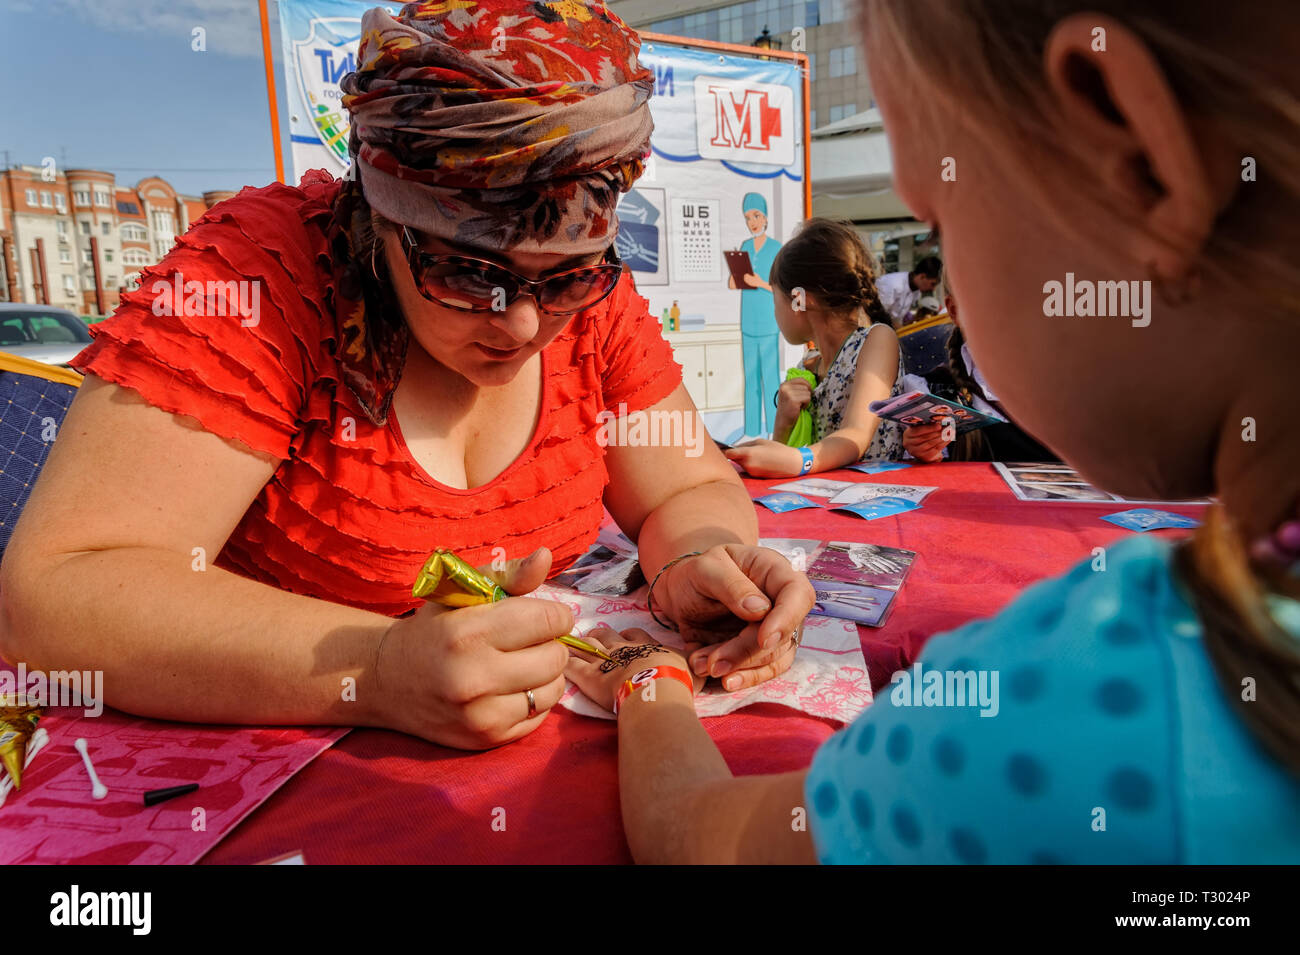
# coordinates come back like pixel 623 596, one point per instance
pixel 744 119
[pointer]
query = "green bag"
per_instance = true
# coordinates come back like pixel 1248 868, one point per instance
pixel 801 434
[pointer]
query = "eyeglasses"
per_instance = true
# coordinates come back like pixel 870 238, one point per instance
pixel 477 285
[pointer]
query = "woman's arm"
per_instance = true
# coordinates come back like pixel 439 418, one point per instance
pixel 680 496
pixel 111 569
pixel 677 494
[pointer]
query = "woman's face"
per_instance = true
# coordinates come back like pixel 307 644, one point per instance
pixel 1000 248
pixel 756 221
pixel 486 348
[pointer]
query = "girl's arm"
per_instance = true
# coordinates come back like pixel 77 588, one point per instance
pixel 792 397
pixel 680 802
pixel 781 428
pixel 873 380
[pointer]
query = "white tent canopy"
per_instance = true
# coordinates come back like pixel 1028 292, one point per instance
pixel 852 172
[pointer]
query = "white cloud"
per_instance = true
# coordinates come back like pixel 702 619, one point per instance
pixel 233 26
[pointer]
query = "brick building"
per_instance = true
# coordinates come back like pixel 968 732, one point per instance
pixel 77 240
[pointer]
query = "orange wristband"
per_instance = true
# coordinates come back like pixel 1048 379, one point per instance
pixel 649 675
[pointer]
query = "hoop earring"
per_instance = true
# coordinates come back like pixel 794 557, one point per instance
pixel 1179 291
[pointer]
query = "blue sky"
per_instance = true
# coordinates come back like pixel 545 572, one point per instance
pixel 115 85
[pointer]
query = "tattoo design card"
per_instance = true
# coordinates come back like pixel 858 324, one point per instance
pixel 54 818
pixel 858 582
pixel 1060 482
pixel 857 493
pixel 814 487
pixel 603 571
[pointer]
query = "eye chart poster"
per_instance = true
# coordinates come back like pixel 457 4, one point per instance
pixel 697 249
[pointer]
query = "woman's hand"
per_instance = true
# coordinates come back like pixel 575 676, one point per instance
pixel 925 442
pixel 744 606
pixel 765 458
pixel 633 650
pixel 792 397
pixel 460 677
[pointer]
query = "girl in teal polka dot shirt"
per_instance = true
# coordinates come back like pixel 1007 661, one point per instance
pixel 1145 707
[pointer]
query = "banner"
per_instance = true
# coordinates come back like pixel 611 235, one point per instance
pixel 725 184
pixel 318 45
pixel 722 191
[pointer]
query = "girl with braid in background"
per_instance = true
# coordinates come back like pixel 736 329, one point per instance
pixel 825 292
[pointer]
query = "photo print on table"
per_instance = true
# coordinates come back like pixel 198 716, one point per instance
pixel 858 581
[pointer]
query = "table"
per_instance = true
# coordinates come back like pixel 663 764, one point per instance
pixel 383 797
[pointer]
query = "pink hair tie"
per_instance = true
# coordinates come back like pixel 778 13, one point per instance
pixel 1282 547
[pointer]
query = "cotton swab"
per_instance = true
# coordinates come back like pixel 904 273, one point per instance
pixel 98 789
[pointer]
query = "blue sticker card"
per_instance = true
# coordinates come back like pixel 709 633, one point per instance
pixel 878 507
pixel 1150 519
pixel 785 501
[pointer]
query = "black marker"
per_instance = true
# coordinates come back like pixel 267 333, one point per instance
pixel 155 796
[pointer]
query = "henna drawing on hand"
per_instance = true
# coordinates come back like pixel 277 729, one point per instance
pixel 625 655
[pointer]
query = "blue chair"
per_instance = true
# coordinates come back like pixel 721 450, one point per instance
pixel 924 344
pixel 34 399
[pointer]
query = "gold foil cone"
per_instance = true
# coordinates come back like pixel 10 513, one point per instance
pixel 17 723
pixel 450 581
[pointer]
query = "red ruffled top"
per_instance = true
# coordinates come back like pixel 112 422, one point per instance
pixel 348 515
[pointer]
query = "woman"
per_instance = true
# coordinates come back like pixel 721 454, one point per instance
pixel 1149 713
pixel 238 504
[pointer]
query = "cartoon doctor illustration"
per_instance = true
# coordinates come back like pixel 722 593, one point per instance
pixel 760 338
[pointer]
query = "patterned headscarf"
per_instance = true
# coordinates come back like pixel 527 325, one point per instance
pixel 510 126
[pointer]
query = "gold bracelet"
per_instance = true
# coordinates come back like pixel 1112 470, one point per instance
pixel 649 597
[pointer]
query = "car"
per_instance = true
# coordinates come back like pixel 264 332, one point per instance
pixel 41 332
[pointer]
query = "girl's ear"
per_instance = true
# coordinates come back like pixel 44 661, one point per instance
pixel 1116 104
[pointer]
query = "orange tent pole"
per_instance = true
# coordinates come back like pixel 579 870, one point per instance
pixel 271 97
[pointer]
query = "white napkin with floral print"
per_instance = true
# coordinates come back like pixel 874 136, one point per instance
pixel 827 679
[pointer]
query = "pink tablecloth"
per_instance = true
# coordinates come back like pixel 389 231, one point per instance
pixel 553 797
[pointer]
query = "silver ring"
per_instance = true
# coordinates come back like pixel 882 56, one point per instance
pixel 797 636
pixel 532 703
